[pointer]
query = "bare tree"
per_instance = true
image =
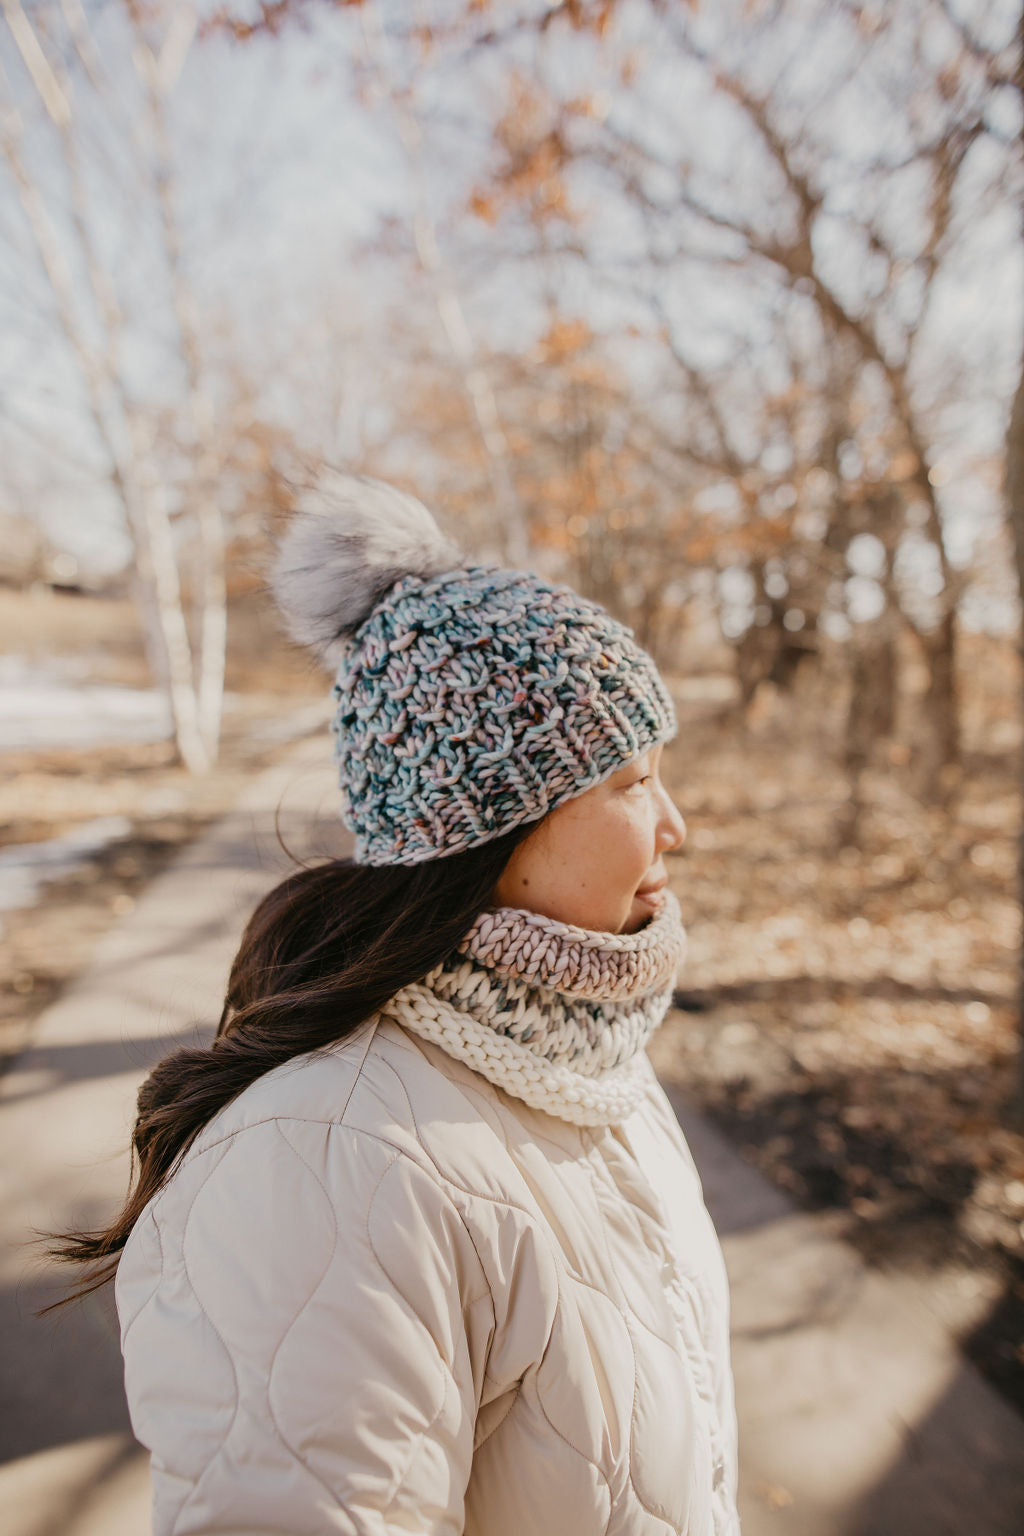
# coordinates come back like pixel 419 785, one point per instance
pixel 785 241
pixel 1015 510
pixel 63 66
pixel 158 75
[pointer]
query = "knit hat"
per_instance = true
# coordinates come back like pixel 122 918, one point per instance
pixel 470 698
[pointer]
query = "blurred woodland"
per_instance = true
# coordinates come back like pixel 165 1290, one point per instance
pixel 714 311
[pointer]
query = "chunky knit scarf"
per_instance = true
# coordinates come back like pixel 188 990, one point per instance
pixel 557 1016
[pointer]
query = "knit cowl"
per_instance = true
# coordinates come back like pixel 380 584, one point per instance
pixel 556 1015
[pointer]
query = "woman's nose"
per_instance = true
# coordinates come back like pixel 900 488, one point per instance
pixel 673 826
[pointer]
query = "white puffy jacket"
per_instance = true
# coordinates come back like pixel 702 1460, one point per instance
pixel 381 1295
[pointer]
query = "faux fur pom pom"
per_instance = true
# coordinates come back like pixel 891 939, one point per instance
pixel 349 540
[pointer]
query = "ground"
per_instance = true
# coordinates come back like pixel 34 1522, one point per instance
pixel 847 1014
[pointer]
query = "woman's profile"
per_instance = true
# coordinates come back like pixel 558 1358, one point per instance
pixel 416 1244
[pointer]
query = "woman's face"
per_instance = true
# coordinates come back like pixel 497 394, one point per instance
pixel 596 861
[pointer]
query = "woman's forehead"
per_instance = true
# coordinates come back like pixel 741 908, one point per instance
pixel 643 759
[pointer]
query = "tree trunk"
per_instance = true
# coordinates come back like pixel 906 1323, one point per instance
pixel 869 718
pixel 133 473
pixel 1015 509
pixel 210 645
pixel 1015 506
pixel 941 710
pixel 156 545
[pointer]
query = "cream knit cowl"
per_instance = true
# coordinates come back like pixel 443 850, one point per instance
pixel 557 1016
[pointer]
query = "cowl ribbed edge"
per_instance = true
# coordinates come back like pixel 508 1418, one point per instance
pixel 554 1015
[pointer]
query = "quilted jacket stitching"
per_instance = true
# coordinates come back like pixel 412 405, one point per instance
pixel 481 1088
pixel 200 1148
pixel 697 1351
pixel 559 1297
pixel 598 1174
pixel 474 1194
pixel 150 1216
pixel 670 1343
pixel 560 1254
pixel 292 1451
pixel 219 1446
pixel 538 1226
pixel 644 1244
pixel 444 1368
pixel 632 1420
pixel 446 1178
pixel 516 1392
pixel 565 1438
pixel 629 1459
pixel 240 1131
pixel 428 1169
pixel 430 1166
pixel 541 1229
pixel 632 1423
pixel 156 1287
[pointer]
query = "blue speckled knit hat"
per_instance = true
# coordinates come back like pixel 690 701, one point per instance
pixel 469 698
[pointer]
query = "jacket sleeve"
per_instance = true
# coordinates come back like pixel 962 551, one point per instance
pixel 305 1325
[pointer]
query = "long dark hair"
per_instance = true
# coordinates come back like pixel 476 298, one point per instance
pixel 323 950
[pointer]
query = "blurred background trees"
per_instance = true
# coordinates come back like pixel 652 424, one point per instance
pixel 679 301
pixel 713 310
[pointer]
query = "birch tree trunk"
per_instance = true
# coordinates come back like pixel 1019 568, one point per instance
pixel 1015 509
pixel 121 424
pixel 133 475
pixel 1015 505
pixel 158 77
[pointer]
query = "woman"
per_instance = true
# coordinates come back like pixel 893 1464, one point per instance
pixel 417 1243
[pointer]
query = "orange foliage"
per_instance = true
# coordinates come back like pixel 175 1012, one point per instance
pixel 563 339
pixel 904 466
pixel 535 158
pixel 484 206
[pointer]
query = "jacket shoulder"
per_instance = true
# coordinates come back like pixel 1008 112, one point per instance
pixel 394 1088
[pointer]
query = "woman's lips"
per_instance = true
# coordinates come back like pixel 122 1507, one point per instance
pixel 653 896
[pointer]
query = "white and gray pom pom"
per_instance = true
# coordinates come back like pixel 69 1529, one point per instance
pixel 350 539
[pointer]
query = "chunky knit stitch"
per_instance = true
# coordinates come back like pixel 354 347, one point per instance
pixel 479 699
pixel 556 1015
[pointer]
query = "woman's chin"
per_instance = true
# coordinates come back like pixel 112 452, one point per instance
pixel 640 914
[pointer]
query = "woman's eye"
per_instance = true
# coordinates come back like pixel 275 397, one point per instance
pixel 645 780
